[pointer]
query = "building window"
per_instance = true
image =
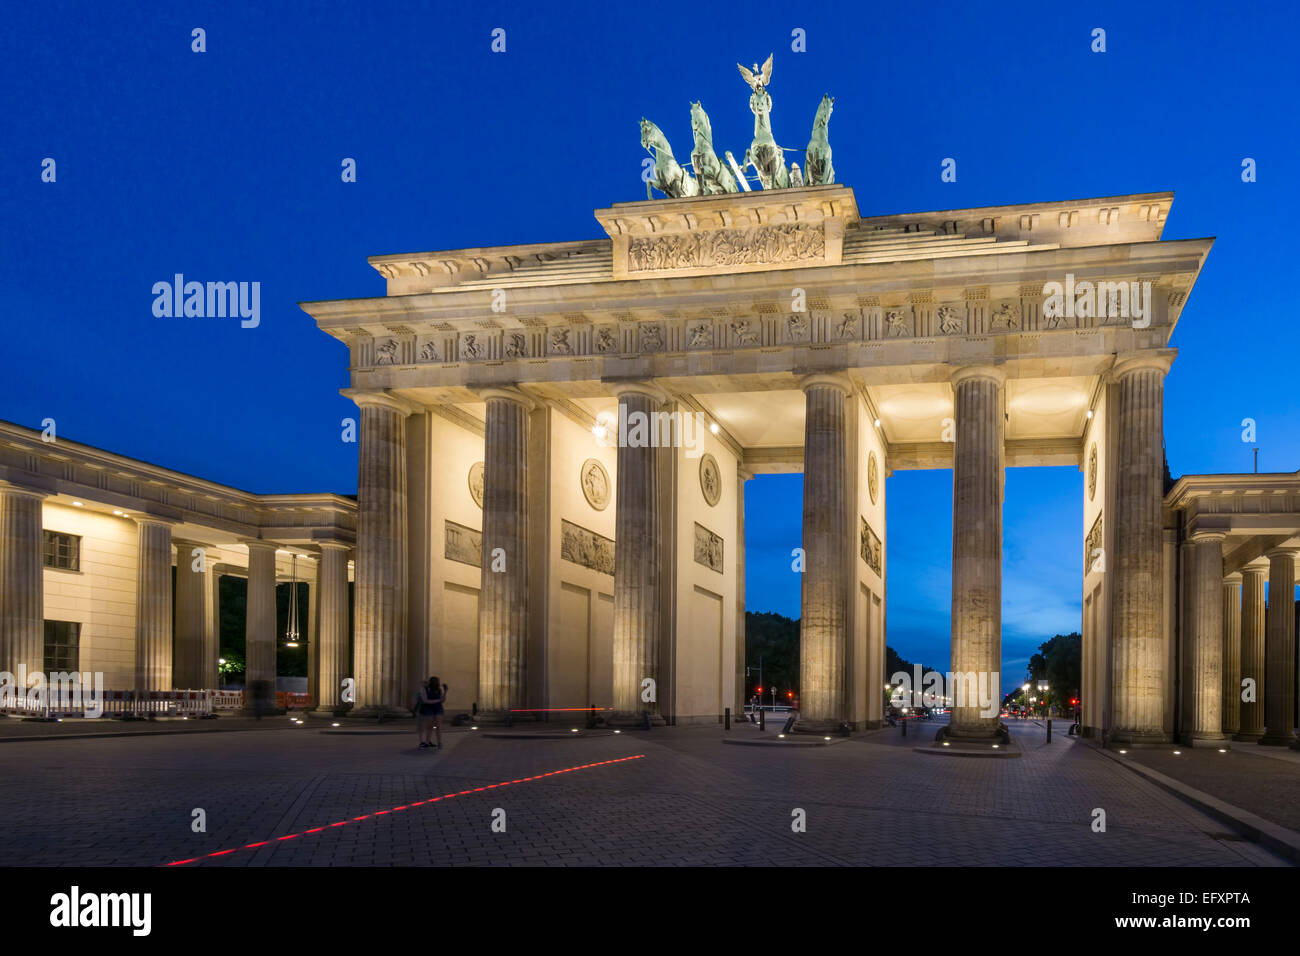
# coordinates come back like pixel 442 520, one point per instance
pixel 62 551
pixel 62 646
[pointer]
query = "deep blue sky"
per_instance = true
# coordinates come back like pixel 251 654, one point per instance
pixel 225 166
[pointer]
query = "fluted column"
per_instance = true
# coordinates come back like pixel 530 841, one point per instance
pixel 738 701
pixel 1207 638
pixel 153 605
pixel 977 477
pixel 381 562
pixel 259 622
pixel 22 590
pixel 1232 654
pixel 1138 660
pixel 503 602
pixel 638 598
pixel 194 644
pixel 824 621
pixel 1279 650
pixel 1253 579
pixel 332 627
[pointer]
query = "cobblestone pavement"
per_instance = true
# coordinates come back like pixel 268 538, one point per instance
pixel 1263 780
pixel 689 801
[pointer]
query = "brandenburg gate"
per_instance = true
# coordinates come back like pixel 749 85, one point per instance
pixel 510 542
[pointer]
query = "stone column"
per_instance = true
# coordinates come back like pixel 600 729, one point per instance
pixel 332 649
pixel 503 601
pixel 194 645
pixel 738 701
pixel 1138 660
pixel 1207 639
pixel 977 477
pixel 22 576
pixel 1232 654
pixel 153 605
pixel 1279 650
pixel 260 639
pixel 381 578
pixel 1253 579
pixel 638 621
pixel 824 624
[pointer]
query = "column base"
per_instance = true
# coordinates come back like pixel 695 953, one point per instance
pixel 504 718
pixel 1269 739
pixel 378 712
pixel 338 710
pixel 1137 739
pixel 1000 735
pixel 1248 736
pixel 1207 742
pixel 825 727
pixel 631 721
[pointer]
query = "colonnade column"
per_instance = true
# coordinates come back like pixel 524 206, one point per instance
pixel 503 602
pixel 1232 654
pixel 332 649
pixel 1253 579
pixel 259 626
pixel 1279 650
pixel 1206 645
pixel 381 562
pixel 22 576
pixel 1138 659
pixel 977 488
pixel 195 644
pixel 638 597
pixel 153 605
pixel 824 619
pixel 738 702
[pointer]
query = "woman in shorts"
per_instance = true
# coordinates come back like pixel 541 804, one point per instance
pixel 432 695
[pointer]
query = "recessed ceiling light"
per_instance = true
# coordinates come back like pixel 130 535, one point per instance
pixel 77 504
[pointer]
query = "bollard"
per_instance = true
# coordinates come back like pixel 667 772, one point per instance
pixel 762 719
pixel 1049 730
pixel 726 718
pixel 645 715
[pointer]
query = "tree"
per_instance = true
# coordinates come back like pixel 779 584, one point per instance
pixel 1060 663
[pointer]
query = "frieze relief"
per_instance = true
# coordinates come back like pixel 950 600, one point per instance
pixel 586 548
pixel 763 245
pixel 870 547
pixel 1092 544
pixel 463 544
pixel 708 548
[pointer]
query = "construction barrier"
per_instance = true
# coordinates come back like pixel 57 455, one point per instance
pixel 114 703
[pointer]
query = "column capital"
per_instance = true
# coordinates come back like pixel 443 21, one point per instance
pixel 827 380
pixel 1287 551
pixel 380 399
pixel 333 545
pixel 1158 359
pixel 962 373
pixel 1258 566
pixel 507 393
pixel 141 519
pixel 1207 536
pixel 743 473
pixel 10 488
pixel 252 543
pixel 649 389
pixel 1233 579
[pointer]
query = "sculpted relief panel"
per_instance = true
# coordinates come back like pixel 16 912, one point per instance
pixel 708 548
pixel 586 548
pixel 763 245
pixel 463 544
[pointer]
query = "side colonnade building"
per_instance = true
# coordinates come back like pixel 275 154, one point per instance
pixel 112 565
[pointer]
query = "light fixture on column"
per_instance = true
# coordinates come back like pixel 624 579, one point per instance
pixel 291 636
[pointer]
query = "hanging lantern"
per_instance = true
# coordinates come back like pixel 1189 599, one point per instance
pixel 292 636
